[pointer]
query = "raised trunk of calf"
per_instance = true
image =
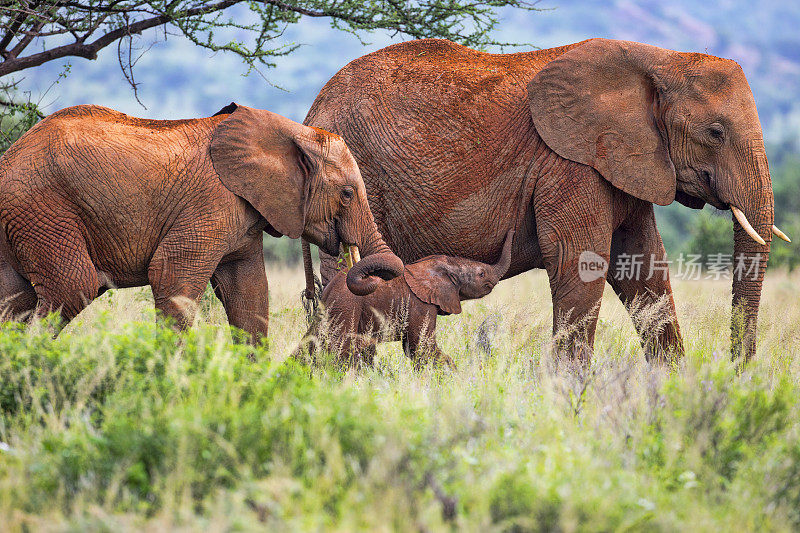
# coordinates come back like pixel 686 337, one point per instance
pixel 501 267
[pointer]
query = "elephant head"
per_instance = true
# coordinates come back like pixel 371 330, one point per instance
pixel 444 281
pixel 663 126
pixel 305 182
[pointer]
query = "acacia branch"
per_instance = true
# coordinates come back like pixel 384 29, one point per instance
pixel 96 24
pixel 12 30
pixel 89 50
pixel 31 109
pixel 26 40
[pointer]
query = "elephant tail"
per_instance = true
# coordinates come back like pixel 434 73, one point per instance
pixel 311 295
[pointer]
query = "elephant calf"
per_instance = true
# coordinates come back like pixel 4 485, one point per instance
pixel 404 308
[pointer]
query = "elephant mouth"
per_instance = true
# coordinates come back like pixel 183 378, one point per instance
pixel 715 202
pixel 333 244
pixel 330 240
pixel 698 188
pixel 351 254
pixel 329 243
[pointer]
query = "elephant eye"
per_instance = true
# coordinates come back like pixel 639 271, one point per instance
pixel 482 274
pixel 717 132
pixel 347 194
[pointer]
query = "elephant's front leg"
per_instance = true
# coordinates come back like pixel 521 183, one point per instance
pixel 574 226
pixel 639 275
pixel 241 286
pixel 419 337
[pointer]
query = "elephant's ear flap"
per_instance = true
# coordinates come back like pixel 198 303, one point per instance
pixel 267 159
pixel 599 104
pixel 428 282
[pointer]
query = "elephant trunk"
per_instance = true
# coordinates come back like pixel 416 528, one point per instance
pixel 308 269
pixel 379 262
pixel 363 278
pixel 756 209
pixel 501 267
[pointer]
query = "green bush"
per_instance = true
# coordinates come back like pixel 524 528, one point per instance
pixel 710 234
pixel 119 425
pixel 516 505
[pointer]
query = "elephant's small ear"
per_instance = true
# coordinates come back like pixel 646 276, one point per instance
pixel 266 159
pixel 427 280
pixel 597 104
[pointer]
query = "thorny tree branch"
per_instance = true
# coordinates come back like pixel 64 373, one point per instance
pixel 81 28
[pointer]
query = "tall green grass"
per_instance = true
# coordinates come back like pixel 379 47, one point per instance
pixel 120 424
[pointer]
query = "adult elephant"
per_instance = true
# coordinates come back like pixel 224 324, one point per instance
pixel 92 198
pixel 570 146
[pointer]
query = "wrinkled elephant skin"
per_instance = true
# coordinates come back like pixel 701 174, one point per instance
pixel 91 198
pixel 571 147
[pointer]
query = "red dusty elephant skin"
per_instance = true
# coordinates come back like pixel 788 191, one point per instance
pixel 403 309
pixel 92 198
pixel 591 135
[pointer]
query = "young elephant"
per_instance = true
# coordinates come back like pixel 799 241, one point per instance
pixel 404 308
pixel 92 198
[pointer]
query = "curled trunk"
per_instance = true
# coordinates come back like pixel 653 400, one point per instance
pixel 364 277
pixel 379 262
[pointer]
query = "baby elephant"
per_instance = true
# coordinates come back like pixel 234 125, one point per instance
pixel 404 308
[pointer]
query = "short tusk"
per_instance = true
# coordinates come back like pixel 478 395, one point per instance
pixel 355 255
pixel 780 234
pixel 746 225
pixel 348 257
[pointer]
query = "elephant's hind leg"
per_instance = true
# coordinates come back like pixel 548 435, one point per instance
pixel 60 270
pixel 657 327
pixel 17 297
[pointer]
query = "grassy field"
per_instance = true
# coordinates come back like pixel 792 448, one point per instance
pixel 119 424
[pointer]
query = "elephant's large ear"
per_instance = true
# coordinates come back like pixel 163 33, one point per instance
pixel 267 160
pixel 598 104
pixel 429 282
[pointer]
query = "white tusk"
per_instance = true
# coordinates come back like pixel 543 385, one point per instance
pixel 746 225
pixel 780 234
pixel 348 257
pixel 355 255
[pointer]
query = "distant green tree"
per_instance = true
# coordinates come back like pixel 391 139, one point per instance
pixel 15 117
pixel 710 234
pixel 786 186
